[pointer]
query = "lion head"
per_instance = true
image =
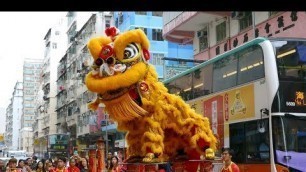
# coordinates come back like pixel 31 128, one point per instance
pixel 120 63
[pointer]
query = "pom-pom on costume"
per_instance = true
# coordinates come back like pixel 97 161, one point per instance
pixel 158 124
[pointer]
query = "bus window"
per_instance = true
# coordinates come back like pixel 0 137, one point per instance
pixel 237 140
pixel 289 134
pixel 202 81
pixel 250 65
pixel 248 141
pixel 181 86
pixel 290 57
pixel 225 73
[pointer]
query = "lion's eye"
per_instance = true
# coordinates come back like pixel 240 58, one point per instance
pixel 131 51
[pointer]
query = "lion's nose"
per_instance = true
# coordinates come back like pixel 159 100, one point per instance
pixel 105 70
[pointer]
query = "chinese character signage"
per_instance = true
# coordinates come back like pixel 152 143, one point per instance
pixel 58 142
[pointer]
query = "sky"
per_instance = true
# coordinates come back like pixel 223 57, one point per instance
pixel 21 36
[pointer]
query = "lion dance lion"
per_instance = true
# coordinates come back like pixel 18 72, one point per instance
pixel 158 124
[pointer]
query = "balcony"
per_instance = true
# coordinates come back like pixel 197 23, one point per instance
pixel 181 28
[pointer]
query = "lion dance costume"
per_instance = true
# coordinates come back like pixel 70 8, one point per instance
pixel 158 124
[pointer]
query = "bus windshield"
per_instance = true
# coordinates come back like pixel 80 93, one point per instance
pixel 291 59
pixel 289 134
pixel 291 64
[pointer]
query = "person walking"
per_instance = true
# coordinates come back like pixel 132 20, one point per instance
pixel 229 165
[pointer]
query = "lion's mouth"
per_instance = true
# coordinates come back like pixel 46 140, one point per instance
pixel 113 94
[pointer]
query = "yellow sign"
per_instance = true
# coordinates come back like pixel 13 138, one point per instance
pixel 299 98
pixel 1 137
pixel 241 103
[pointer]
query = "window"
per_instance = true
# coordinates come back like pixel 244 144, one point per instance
pixel 117 22
pixel 245 21
pixel 202 81
pixel 28 78
pixel 250 65
pixel 54 45
pixel 27 71
pixel 182 86
pixel 203 39
pixel 225 73
pixel 273 13
pixel 157 59
pixel 144 29
pixel 157 35
pixel 120 20
pixel 140 12
pixel 182 63
pixel 247 141
pixel 157 13
pixel 221 31
pixel 107 23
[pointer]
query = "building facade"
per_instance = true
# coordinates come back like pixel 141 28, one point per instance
pixel 13 118
pixel 31 72
pixel 213 33
pixel 168 58
pixel 73 116
pixel 45 119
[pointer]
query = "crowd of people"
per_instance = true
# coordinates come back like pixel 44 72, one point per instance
pixel 80 164
pixel 58 164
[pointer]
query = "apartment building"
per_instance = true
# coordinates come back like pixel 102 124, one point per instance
pixel 45 121
pixel 31 77
pixel 13 118
pixel 212 33
pixel 73 116
pixel 168 58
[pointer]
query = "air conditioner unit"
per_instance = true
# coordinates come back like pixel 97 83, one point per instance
pixel 201 33
pixel 236 15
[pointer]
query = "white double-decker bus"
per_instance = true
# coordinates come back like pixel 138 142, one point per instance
pixel 254 96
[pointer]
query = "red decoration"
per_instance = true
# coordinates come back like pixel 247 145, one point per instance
pixel 106 52
pixel 111 31
pixel 144 87
pixel 146 54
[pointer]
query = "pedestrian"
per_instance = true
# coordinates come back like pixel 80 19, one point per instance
pixel 84 165
pixel 34 163
pixel 72 165
pixel 229 165
pixel 40 167
pixel 61 165
pixel 12 166
pixel 21 165
pixel 114 166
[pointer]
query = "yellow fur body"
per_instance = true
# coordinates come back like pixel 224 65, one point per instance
pixel 164 123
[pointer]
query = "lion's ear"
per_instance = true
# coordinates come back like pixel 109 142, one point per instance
pixel 144 41
pixel 96 44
